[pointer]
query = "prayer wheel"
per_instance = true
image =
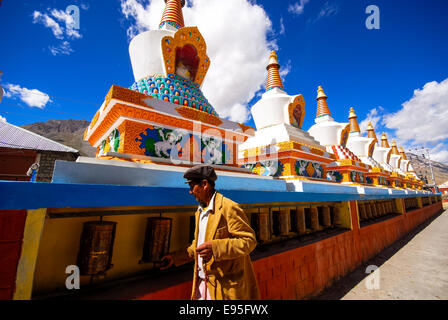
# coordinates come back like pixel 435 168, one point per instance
pixel 300 220
pixel 314 215
pixel 336 211
pixel 260 223
pixel 389 206
pixel 326 219
pixel 368 209
pixel 374 211
pixel 380 205
pixel 378 209
pixel 362 211
pixel 393 206
pixel 96 245
pixel 157 239
pixel 283 217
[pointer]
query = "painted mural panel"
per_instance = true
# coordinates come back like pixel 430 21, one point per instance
pixel 270 168
pixel 111 144
pixel 215 151
pixel 165 143
pixel 309 169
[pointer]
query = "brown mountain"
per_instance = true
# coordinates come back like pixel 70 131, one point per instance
pixel 422 168
pixel 68 132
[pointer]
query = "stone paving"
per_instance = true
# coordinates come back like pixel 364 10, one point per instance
pixel 413 268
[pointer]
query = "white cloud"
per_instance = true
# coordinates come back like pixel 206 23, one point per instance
pixel 69 22
pixel 327 11
pixel 424 117
pixel 63 48
pixel 62 26
pixel 2 119
pixel 298 7
pixel 421 122
pixel 236 34
pixel 282 26
pixel 285 70
pixel 145 17
pixel 439 153
pixel 49 23
pixel 375 116
pixel 32 97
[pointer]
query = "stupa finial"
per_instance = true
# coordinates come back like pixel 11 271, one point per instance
pixel 403 153
pixel 322 106
pixel 274 80
pixel 371 131
pixel 384 142
pixel 394 147
pixel 354 126
pixel 172 14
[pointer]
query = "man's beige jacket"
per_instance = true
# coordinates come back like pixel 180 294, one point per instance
pixel 230 274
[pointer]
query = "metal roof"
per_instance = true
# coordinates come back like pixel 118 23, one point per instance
pixel 12 136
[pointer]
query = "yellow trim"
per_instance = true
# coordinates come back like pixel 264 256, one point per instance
pixel 34 226
pixel 346 215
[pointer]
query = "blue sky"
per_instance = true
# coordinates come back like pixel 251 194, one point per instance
pixel 318 42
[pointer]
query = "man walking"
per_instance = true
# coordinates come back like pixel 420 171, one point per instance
pixel 223 240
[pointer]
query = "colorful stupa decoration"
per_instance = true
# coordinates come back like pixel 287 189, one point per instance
pixel 406 166
pixel 280 147
pixel 164 117
pixel 363 147
pixel 347 167
pixel 383 154
pixel 172 15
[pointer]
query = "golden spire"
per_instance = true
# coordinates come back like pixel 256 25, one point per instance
pixel 274 80
pixel 354 127
pixel 322 106
pixel 384 142
pixel 394 147
pixel 371 131
pixel 403 154
pixel 172 14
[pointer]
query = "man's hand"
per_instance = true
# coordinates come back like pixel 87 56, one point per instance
pixel 169 262
pixel 205 251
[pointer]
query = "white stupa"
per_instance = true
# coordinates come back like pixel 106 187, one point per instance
pixel 278 115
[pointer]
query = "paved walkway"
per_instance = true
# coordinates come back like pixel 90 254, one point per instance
pixel 413 268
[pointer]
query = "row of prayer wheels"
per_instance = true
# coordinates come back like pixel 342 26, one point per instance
pixel 287 222
pixel 411 203
pixel 97 242
pixel 376 209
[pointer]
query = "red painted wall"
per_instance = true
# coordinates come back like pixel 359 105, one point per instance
pixel 306 271
pixel 12 224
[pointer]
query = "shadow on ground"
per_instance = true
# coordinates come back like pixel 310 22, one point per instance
pixel 342 286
